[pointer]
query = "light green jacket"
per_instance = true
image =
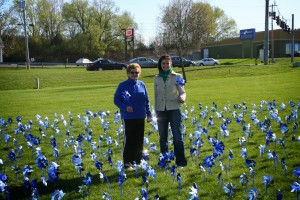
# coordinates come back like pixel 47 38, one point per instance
pixel 167 93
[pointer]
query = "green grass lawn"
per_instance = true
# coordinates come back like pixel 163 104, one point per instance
pixel 66 92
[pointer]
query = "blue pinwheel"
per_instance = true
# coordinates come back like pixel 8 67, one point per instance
pixel 77 161
pixel 9 120
pixel 244 181
pixel 218 148
pixel 173 172
pixel 292 104
pixel 53 142
pixel 250 163
pixel 27 170
pixel 126 96
pixel 244 153
pixel 53 173
pixel 11 156
pixel 295 188
pixel 194 192
pixel 283 164
pixel 180 81
pixel 208 162
pixel 193 151
pixel 102 176
pixel 3 183
pixel 279 195
pixel 165 159
pixel 261 150
pixel 274 156
pixel 151 172
pixel 84 190
pixel 267 180
pixel 121 180
pixel 106 196
pixel 228 189
pixel 7 138
pixel 284 128
pixel 42 162
pixel 87 180
pixel 34 190
pixel 252 194
pixel 145 181
pixel 297 173
pixel 144 194
pixel 220 180
pixel 252 174
pixel 179 181
pixel 98 165
pixel 230 156
pixel 57 195
pixel 18 118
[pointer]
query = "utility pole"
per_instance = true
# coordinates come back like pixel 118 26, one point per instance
pixel 125 44
pixel 266 39
pixel 22 7
pixel 293 40
pixel 273 17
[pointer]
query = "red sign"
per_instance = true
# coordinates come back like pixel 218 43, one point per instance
pixel 129 32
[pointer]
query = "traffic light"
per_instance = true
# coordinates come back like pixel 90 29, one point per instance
pixel 287 29
pixel 277 20
pixel 273 15
pixel 282 24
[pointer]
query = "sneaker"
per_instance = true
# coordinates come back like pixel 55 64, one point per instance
pixel 137 165
pixel 181 166
pixel 128 165
pixel 130 169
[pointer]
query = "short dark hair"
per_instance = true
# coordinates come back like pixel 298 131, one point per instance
pixel 163 57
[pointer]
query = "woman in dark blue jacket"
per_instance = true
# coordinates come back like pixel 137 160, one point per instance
pixel 132 99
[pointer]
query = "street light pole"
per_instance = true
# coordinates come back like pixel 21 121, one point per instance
pixel 125 43
pixel 266 38
pixel 22 7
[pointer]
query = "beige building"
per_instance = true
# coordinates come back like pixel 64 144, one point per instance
pixel 236 48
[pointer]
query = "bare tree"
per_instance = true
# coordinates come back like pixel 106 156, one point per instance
pixel 181 27
pixel 186 25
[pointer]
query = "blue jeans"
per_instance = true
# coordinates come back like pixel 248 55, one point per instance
pixel 174 118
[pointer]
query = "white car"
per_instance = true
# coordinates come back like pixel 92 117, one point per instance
pixel 207 61
pixel 83 61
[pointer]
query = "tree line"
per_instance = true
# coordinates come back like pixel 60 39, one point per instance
pixel 58 30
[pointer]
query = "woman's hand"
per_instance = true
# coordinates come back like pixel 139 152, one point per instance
pixel 181 99
pixel 129 109
pixel 149 119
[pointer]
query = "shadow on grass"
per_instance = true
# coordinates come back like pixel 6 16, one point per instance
pixel 66 185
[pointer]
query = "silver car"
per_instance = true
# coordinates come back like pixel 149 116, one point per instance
pixel 207 61
pixel 144 62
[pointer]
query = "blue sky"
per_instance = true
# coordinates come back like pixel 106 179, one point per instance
pixel 246 13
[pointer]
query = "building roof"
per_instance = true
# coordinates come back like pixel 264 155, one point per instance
pixel 278 35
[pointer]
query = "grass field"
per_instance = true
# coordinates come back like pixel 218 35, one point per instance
pixel 74 90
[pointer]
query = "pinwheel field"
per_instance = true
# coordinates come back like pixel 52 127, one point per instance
pixel 64 140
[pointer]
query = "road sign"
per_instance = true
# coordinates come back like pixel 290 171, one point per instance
pixel 247 34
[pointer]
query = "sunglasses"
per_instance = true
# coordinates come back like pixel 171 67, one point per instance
pixel 134 72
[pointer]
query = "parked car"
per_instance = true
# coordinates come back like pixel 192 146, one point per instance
pixel 83 61
pixel 144 62
pixel 296 54
pixel 105 64
pixel 207 61
pixel 176 62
